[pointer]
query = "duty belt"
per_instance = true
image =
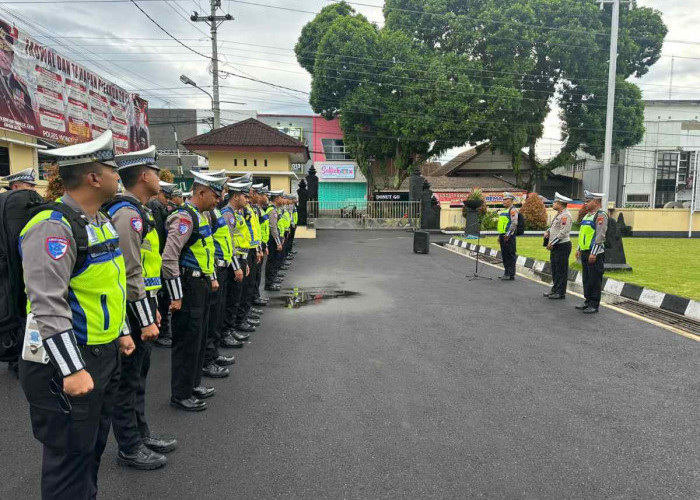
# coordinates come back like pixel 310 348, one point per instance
pixel 194 273
pixel 222 263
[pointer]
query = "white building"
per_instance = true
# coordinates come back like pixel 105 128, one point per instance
pixel 658 170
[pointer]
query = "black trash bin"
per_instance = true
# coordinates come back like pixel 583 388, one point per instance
pixel 421 242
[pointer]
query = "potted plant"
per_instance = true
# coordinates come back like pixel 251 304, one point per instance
pixel 475 199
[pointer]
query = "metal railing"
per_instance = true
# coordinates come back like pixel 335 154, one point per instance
pixel 367 214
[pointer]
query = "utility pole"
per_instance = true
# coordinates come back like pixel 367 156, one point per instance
pixel 670 83
pixel 214 22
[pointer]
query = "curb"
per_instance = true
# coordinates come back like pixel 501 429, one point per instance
pixel 647 296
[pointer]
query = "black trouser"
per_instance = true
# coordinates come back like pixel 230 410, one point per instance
pixel 189 335
pixel 273 262
pixel 128 418
pixel 285 246
pixel 217 308
pixel 592 278
pixel 165 315
pixel 292 232
pixel 73 443
pixel 247 295
pixel 508 249
pixel 234 290
pixel 258 277
pixel 559 259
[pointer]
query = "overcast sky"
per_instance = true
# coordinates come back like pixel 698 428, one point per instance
pixel 120 43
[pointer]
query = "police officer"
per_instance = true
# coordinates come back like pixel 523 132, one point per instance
pixel 81 318
pixel 190 276
pixel 21 180
pixel 507 227
pixel 265 208
pixel 286 221
pixel 139 243
pixel 258 199
pixel 276 246
pixel 591 251
pixel 251 241
pixel 559 245
pixel 238 199
pixel 295 223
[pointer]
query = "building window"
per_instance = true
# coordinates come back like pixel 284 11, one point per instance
pixel 666 172
pixel 685 166
pixel 245 162
pixel 577 166
pixel 255 162
pixel 334 149
pixel 637 201
pixel 235 162
pixel 266 163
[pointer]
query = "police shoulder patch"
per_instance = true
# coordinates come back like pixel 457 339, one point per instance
pixel 137 224
pixel 600 220
pixel 57 247
pixel 184 226
pixel 563 220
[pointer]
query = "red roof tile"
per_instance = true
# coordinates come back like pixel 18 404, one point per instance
pixel 249 133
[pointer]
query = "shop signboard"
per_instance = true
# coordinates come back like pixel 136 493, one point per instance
pixel 392 196
pixel 491 197
pixel 338 171
pixel 46 95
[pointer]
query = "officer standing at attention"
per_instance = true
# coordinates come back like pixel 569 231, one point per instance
pixel 591 251
pixel 265 209
pixel 21 180
pixel 139 243
pixel 238 198
pixel 258 198
pixel 507 227
pixel 244 322
pixel 189 275
pixel 81 318
pixel 559 245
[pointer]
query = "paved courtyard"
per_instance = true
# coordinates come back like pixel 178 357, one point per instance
pixel 420 385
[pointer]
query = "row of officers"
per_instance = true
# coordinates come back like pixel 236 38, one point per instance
pixel 103 276
pixel 590 251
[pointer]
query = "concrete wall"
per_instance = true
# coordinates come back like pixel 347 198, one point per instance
pixel 235 162
pixel 161 123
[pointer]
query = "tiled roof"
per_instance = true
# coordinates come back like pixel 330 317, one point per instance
pixel 443 183
pixel 457 162
pixel 248 133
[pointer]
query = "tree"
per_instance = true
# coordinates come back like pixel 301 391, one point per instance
pixel 166 176
pixel 534 212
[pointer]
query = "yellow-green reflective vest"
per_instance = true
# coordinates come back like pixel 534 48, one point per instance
pixel 223 244
pixel 151 260
pixel 200 254
pixel 586 235
pixel 97 291
pixel 504 221
pixel 295 217
pixel 265 224
pixel 254 226
pixel 239 231
pixel 287 218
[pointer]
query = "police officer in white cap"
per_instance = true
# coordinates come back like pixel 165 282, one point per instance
pixel 559 244
pixel 21 180
pixel 507 228
pixel 190 276
pixel 81 318
pixel 591 251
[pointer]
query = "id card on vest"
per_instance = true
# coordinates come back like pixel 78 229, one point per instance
pixel 33 348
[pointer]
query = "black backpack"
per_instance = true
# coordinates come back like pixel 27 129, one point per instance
pixel 16 209
pixel 520 229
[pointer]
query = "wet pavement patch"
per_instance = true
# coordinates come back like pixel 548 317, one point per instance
pixel 294 298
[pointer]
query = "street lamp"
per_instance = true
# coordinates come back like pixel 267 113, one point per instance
pixel 217 122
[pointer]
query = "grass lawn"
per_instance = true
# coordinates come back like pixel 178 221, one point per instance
pixel 669 265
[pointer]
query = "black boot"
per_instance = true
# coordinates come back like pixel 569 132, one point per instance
pixel 142 459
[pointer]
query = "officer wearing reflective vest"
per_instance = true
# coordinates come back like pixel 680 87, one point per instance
pixel 214 362
pixel 25 179
pixel 257 199
pixel 559 244
pixel 295 223
pixel 591 251
pixel 252 242
pixel 275 242
pixel 265 210
pixel 238 199
pixel 189 274
pixel 140 245
pixel 507 227
pixel 75 278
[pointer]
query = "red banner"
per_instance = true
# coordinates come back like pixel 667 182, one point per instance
pixel 45 95
pixel 491 197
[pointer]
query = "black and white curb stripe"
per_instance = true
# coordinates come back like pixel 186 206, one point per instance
pixel 647 296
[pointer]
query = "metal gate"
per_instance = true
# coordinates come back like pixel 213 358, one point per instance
pixel 364 214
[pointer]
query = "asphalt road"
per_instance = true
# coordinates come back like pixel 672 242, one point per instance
pixel 423 385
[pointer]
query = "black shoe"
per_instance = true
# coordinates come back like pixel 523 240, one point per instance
pixel 293 252
pixel 281 274
pixel 166 342
pixel 252 315
pixel 215 371
pixel 278 281
pixel 230 341
pixel 252 321
pixel 272 288
pixel 160 445
pixel 142 459
pixel 203 392
pixel 546 294
pixel 243 328
pixel 225 360
pixel 256 311
pixel 590 310
pixel 13 367
pixel 556 296
pixel 189 404
pixel 260 302
pixel 582 306
pixel 284 267
pixel 506 278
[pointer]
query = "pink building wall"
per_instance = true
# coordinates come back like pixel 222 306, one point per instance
pixel 324 129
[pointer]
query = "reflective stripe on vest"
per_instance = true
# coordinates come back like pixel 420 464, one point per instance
pixel 223 244
pixel 200 255
pixel 238 231
pixel 254 227
pixel 586 235
pixel 504 221
pixel 97 292
pixel 265 225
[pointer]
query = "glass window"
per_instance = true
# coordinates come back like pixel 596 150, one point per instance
pixel 245 162
pixel 666 171
pixel 685 166
pixel 255 163
pixel 266 163
pixel 334 149
pixel 235 162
